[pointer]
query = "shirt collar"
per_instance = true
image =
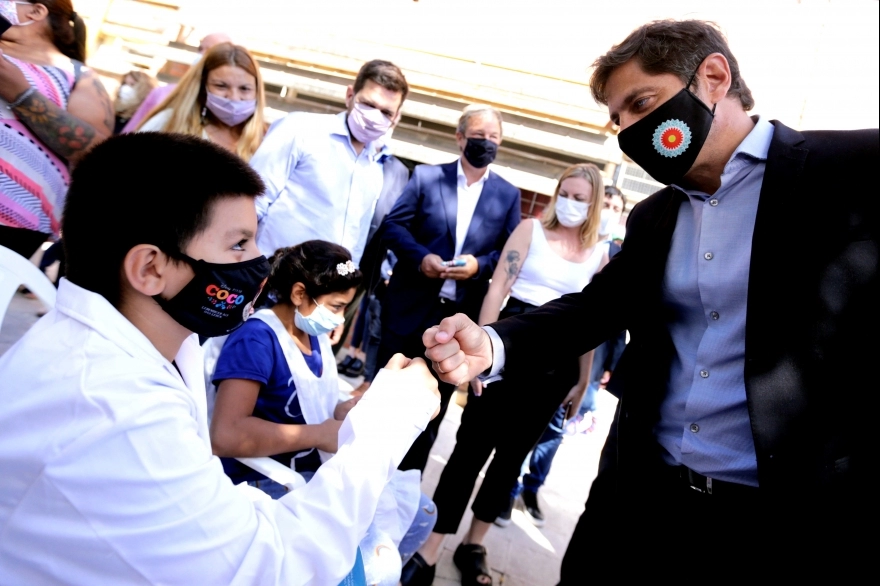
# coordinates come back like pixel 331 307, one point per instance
pixel 753 149
pixel 756 144
pixel 462 179
pixel 97 313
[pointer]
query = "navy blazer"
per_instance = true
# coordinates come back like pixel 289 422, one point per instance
pixel 423 222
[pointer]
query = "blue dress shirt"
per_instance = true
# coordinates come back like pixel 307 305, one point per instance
pixel 704 419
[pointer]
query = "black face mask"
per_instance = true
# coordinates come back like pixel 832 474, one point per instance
pixel 666 142
pixel 219 297
pixel 480 152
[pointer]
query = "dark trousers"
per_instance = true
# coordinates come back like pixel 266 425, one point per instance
pixel 411 346
pixel 509 417
pixel 650 522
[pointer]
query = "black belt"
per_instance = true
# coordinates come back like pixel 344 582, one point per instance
pixel 709 486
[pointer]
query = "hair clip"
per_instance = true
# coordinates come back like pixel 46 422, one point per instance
pixel 346 268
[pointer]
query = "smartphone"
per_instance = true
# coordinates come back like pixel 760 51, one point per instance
pixel 5 25
pixel 456 262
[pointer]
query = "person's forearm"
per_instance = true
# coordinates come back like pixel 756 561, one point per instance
pixel 65 134
pixel 491 307
pixel 253 437
pixel 586 366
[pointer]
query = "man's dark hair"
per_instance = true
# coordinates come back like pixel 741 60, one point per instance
pixel 611 191
pixel 144 188
pixel 315 264
pixel 384 73
pixel 670 46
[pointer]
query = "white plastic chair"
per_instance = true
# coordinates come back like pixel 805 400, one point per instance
pixel 16 270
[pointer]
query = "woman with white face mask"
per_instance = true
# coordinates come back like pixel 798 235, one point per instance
pixel 220 99
pixel 133 90
pixel 542 260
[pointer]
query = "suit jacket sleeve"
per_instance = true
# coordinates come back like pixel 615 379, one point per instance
pixel 399 221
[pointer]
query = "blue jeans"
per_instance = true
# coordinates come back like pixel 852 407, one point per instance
pixel 538 465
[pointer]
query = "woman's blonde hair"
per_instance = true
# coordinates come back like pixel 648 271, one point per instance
pixel 590 228
pixel 143 85
pixel 189 97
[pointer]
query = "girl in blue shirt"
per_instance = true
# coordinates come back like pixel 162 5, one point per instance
pixel 278 388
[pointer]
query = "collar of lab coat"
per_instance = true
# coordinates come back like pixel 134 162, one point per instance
pixel 97 313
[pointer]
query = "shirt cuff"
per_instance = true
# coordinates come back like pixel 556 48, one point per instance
pixel 398 396
pixel 498 357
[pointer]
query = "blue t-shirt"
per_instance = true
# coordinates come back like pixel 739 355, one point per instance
pixel 253 352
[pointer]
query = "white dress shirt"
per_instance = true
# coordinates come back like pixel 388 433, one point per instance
pixel 317 186
pixel 108 476
pixel 468 196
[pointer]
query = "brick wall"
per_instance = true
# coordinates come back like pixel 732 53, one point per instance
pixel 533 203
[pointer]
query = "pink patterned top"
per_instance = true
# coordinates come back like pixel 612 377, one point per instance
pixel 33 179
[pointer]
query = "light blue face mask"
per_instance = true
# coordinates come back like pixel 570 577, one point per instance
pixel 320 321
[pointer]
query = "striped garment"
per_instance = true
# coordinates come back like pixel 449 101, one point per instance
pixel 33 179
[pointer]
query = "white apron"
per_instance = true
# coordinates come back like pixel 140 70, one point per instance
pixel 317 396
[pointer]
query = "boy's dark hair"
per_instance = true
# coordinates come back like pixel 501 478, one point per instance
pixel 611 191
pixel 315 264
pixel 384 73
pixel 144 188
pixel 670 46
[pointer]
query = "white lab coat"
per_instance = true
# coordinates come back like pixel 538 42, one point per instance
pixel 107 476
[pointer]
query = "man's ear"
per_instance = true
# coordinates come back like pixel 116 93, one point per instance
pixel 349 97
pixel 298 294
pixel 715 78
pixel 145 269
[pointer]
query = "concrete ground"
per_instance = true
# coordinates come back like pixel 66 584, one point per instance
pixel 519 554
pixel 522 554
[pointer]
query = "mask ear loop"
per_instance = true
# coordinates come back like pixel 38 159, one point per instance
pixel 691 82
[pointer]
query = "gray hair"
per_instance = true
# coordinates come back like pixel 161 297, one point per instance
pixel 477 110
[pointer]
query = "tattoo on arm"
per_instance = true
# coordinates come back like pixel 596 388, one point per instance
pixel 512 265
pixel 65 134
pixel 106 103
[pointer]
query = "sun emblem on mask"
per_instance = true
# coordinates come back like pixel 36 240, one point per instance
pixel 672 138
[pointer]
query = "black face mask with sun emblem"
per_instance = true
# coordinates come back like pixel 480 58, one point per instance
pixel 666 142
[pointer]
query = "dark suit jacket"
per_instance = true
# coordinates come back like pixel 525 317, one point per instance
pixel 811 327
pixel 423 222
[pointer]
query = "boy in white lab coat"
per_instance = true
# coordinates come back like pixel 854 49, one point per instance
pixel 107 471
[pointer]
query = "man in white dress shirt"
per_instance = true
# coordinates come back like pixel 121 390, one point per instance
pixel 323 172
pixel 107 471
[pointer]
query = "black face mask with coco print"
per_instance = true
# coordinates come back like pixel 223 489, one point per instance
pixel 666 142
pixel 219 298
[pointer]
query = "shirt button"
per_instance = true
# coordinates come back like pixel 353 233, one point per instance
pixel 708 256
pixel 695 428
pixel 713 202
pixel 704 373
pixel 715 315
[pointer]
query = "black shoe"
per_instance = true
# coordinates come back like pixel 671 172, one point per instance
pixel 342 366
pixel 503 520
pixel 416 572
pixel 533 511
pixel 354 369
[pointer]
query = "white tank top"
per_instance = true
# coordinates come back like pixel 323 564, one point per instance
pixel 545 275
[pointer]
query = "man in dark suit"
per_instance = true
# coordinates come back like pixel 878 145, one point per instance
pixel 447 231
pixel 744 430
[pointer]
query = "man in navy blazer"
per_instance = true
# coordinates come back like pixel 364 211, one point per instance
pixel 460 213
